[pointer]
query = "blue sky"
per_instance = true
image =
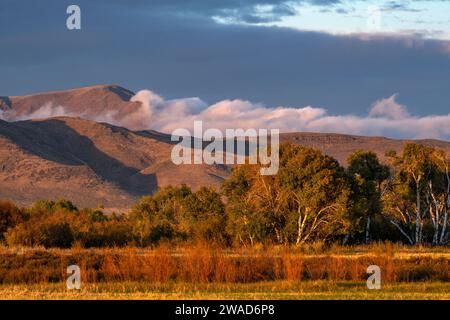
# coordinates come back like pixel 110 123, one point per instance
pixel 326 54
pixel 429 18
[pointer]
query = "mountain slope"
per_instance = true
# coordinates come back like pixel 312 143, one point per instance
pixel 107 103
pixel 90 163
pixel 94 163
pixel 340 146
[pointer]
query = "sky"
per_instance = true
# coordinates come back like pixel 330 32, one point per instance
pixel 430 18
pixel 342 57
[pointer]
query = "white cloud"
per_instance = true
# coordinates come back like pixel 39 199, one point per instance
pixel 48 110
pixel 389 108
pixel 386 118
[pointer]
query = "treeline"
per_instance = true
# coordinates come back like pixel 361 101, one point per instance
pixel 312 198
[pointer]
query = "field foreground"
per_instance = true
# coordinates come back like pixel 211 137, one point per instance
pixel 211 273
pixel 278 290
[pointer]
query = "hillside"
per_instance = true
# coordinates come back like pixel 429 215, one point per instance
pixel 102 101
pixel 340 146
pixel 90 163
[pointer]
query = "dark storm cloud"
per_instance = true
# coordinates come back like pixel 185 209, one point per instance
pixel 175 49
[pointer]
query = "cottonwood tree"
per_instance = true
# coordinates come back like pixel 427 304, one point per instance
pixel 419 193
pixel 249 218
pixel 367 178
pixel 317 193
pixel 437 196
pixel 306 200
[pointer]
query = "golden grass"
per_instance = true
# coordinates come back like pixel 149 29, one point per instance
pixel 280 290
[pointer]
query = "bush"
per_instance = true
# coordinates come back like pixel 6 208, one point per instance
pixel 57 234
pixel 10 216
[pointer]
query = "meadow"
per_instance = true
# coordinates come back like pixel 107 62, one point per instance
pixel 313 271
pixel 278 290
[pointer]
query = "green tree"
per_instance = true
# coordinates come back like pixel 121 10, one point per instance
pixel 418 197
pixel 204 216
pixel 248 222
pixel 367 176
pixel 306 200
pixel 158 217
pixel 317 193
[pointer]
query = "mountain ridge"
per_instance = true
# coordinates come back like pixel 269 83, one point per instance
pixel 99 102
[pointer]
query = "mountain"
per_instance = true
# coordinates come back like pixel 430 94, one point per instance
pixel 340 146
pixel 90 163
pixel 91 101
pixel 107 103
pixel 95 163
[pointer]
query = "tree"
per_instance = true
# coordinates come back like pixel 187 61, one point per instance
pixel 204 215
pixel 56 234
pixel 317 193
pixel 367 176
pixel 306 200
pixel 419 194
pixel 10 216
pixel 51 229
pixel 249 220
pixel 158 217
pixel 437 196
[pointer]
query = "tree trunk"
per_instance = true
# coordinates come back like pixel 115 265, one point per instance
pixel 436 235
pixel 436 218
pixel 418 224
pixel 251 239
pixel 299 228
pixel 447 208
pixel 410 240
pixel 345 241
pixel 301 225
pixel 444 226
pixel 368 230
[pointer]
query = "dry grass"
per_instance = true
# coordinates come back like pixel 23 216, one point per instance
pixel 284 290
pixel 206 265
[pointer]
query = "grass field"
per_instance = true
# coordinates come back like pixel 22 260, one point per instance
pixel 285 290
pixel 210 273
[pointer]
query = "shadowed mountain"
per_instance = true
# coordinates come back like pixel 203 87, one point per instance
pixel 90 163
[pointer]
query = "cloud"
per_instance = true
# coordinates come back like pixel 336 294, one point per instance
pixel 248 11
pixel 399 6
pixel 385 118
pixel 389 108
pixel 48 110
pixel 157 113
